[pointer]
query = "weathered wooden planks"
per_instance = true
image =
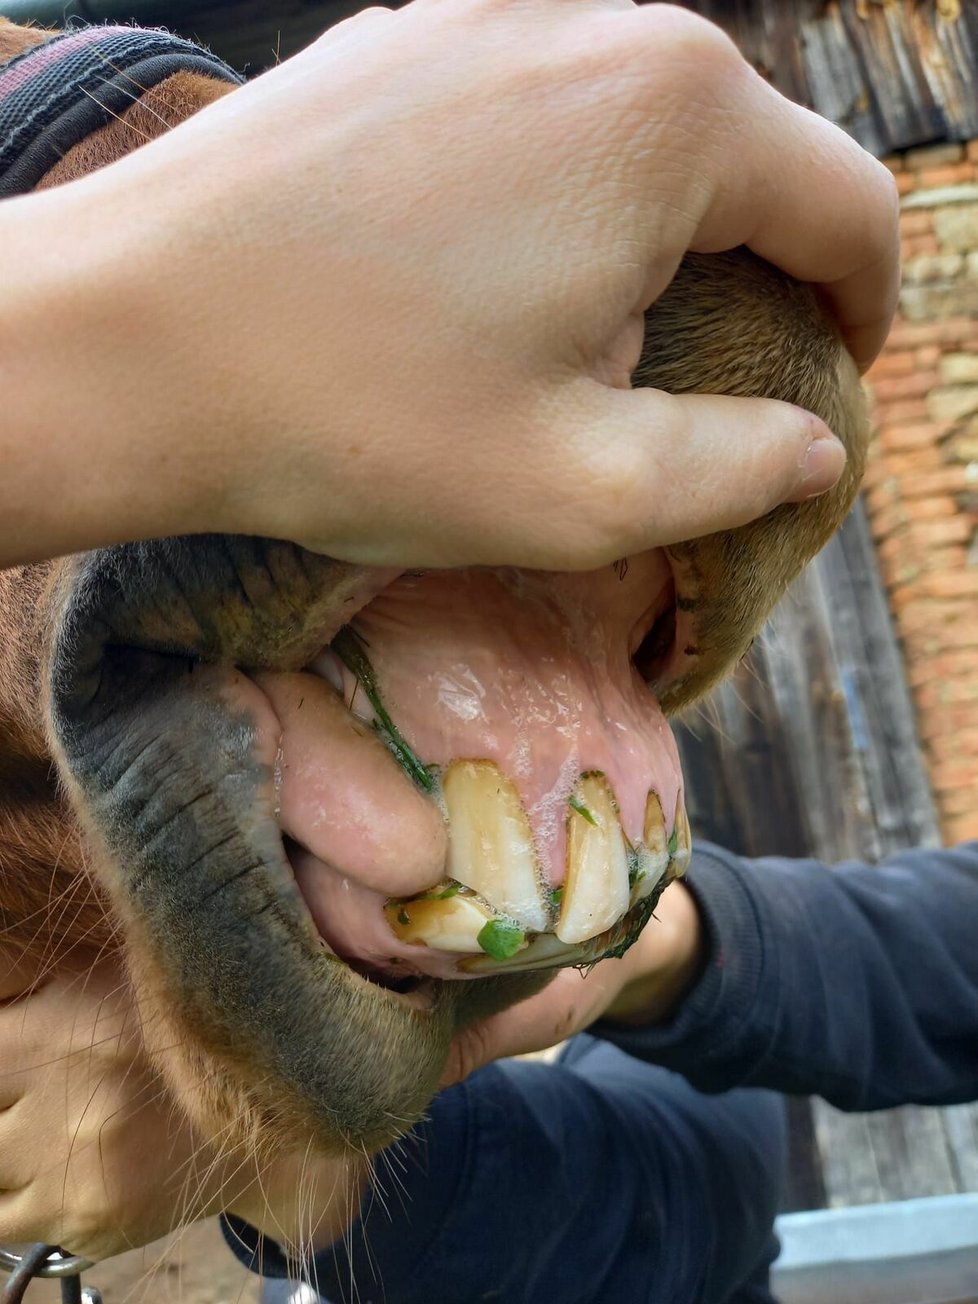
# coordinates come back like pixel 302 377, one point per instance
pixel 894 73
pixel 813 752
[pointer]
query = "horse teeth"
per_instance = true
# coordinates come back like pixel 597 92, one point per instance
pixel 655 829
pixel 490 843
pixel 494 879
pixel 681 841
pixel 652 856
pixel 596 889
pixel 451 924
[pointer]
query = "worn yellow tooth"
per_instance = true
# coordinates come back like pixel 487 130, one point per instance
pixel 655 828
pixel 490 845
pixel 596 890
pixel 681 841
pixel 653 855
pixel 451 924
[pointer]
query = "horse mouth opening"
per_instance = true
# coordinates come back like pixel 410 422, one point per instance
pixel 515 706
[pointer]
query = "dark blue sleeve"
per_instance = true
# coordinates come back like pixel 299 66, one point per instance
pixel 595 1180
pixel 855 983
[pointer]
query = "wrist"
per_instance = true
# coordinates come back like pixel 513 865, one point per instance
pixel 670 957
pixel 77 445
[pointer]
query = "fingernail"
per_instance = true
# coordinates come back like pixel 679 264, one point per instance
pixel 821 466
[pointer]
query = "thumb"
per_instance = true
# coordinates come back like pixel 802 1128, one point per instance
pixel 549 1017
pixel 677 467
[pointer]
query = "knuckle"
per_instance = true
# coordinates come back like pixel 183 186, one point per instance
pixel 611 518
pixel 889 192
pixel 684 37
pixel 355 25
pixel 372 14
pixel 871 179
pixel 649 54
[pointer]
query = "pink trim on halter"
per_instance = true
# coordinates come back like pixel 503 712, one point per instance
pixel 35 60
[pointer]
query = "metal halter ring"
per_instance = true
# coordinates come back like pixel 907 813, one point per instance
pixel 42 1260
pixel 53 1263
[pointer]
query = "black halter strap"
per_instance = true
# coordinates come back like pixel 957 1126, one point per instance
pixel 54 95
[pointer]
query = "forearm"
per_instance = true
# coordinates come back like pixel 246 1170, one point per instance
pixel 823 981
pixel 95 447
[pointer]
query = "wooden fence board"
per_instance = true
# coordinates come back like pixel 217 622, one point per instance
pixel 811 750
pixel 893 74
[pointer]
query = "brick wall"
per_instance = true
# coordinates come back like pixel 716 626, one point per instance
pixel 922 483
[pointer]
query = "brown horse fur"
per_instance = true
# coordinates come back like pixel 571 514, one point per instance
pixel 49 905
pixel 728 324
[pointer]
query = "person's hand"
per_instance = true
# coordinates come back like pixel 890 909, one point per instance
pixel 645 986
pixel 386 300
pixel 94 1154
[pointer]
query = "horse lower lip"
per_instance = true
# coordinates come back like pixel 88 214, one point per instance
pixel 415 993
pixel 414 990
pixel 355 931
pixel 350 918
pixel 543 952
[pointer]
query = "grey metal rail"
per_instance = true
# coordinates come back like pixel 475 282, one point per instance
pixel 913 1252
